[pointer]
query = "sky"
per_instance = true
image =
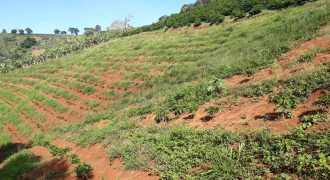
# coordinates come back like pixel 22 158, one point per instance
pixel 43 16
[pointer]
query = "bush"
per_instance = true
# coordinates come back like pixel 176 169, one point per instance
pixel 28 43
pixel 308 57
pixel 257 90
pixel 255 10
pixel 74 159
pixel 212 110
pixel 197 23
pixel 309 120
pixel 82 170
pixel 238 14
pixel 323 102
pixel 285 103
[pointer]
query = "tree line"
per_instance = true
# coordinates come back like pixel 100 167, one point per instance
pixel 214 12
pixel 20 31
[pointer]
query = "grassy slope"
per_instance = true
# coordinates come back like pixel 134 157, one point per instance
pixel 9 42
pixel 144 71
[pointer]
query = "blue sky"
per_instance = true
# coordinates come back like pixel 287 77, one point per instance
pixel 43 16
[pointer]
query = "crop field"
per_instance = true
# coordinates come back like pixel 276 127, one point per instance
pixel 186 103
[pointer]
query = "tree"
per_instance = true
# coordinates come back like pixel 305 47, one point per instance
pixel 63 32
pixel 4 31
pixel 21 31
pixel 71 30
pixel 57 31
pixel 98 28
pixel 76 31
pixel 117 25
pixel 28 30
pixel 13 31
pixel 28 43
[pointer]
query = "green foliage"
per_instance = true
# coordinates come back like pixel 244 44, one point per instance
pixel 257 90
pixel 82 87
pixel 216 86
pixel 92 103
pixel 255 10
pixel 82 170
pixel 323 102
pixel 309 120
pixel 61 152
pixel 297 88
pixel 74 159
pixel 187 98
pixel 238 14
pixel 28 43
pixel 212 110
pixel 176 151
pixel 18 164
pixel 285 103
pixel 308 57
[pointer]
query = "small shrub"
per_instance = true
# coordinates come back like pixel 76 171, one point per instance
pixel 74 159
pixel 28 43
pixel 258 90
pixel 309 120
pixel 197 23
pixel 82 170
pixel 238 14
pixel 255 10
pixel 216 86
pixel 285 103
pixel 212 110
pixel 323 102
pixel 308 57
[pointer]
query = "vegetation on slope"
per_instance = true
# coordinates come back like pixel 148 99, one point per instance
pixel 175 73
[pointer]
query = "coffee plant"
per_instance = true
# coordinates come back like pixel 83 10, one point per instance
pixel 82 170
pixel 285 103
pixel 309 120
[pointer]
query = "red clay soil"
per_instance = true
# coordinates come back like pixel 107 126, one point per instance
pixel 289 57
pixel 38 126
pixel 51 116
pixel 248 115
pixel 17 138
pixel 38 52
pixel 98 159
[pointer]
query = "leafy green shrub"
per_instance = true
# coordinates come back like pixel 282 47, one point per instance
pixel 255 10
pixel 212 110
pixel 57 150
pixel 216 86
pixel 82 170
pixel 197 23
pixel 309 120
pixel 238 14
pixel 28 43
pixel 323 102
pixel 285 103
pixel 74 159
pixel 258 89
pixel 308 57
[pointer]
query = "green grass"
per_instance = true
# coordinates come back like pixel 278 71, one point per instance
pixel 182 70
pixel 16 165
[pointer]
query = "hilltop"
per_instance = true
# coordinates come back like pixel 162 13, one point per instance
pixel 246 98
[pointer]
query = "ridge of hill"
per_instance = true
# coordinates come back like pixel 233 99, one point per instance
pixel 156 103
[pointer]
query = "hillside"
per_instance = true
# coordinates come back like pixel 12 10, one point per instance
pixel 11 45
pixel 185 103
